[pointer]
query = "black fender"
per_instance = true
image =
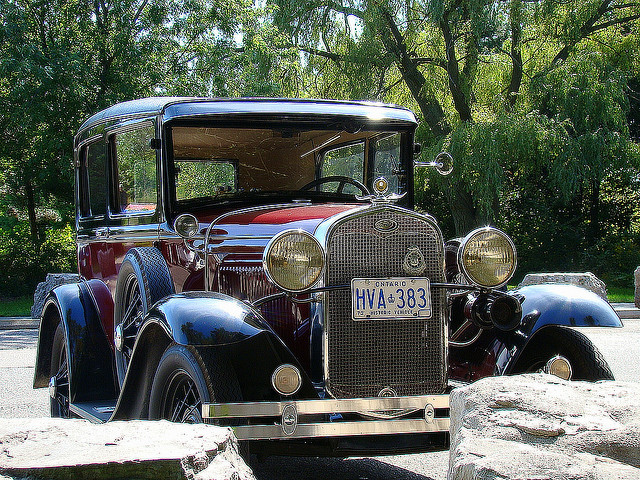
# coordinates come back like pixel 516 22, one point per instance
pixel 545 307
pixel 214 324
pixel 89 355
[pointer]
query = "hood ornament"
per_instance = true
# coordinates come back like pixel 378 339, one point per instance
pixel 379 196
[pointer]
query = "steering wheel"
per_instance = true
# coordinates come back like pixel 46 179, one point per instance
pixel 342 181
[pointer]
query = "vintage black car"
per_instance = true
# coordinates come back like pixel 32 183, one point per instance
pixel 258 263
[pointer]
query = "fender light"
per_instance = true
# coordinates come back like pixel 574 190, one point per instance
pixel 293 260
pixel 286 379
pixel 487 257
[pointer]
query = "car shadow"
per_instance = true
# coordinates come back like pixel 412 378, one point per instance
pixel 312 468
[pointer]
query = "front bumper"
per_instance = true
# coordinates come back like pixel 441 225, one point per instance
pixel 298 419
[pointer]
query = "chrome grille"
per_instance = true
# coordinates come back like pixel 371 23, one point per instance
pixel 364 357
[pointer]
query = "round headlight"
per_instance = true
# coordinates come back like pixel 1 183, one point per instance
pixel 186 225
pixel 293 260
pixel 487 257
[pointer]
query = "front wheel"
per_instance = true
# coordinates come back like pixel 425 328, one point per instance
pixel 182 384
pixel 586 361
pixel 179 387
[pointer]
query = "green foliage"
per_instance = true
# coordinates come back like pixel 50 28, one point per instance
pixel 24 264
pixel 531 98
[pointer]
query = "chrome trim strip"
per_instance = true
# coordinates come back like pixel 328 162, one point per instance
pixel 309 407
pixel 342 429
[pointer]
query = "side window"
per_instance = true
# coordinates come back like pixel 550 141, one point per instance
pixel 198 178
pixel 94 197
pixel 347 161
pixel 136 165
pixel 386 161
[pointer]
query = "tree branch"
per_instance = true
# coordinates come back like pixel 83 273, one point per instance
pixel 438 62
pixel 322 53
pixel 618 21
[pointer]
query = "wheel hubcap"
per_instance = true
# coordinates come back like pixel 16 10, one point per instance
pixel 559 366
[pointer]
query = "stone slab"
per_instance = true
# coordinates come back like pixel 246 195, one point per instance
pixel 585 280
pixel 537 426
pixel 76 449
pixel 636 277
pixel 42 290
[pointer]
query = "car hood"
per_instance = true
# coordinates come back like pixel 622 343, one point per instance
pixel 270 220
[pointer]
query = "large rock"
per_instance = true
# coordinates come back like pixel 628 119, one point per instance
pixel 43 289
pixel 539 426
pixel 137 449
pixel 585 280
pixel 636 275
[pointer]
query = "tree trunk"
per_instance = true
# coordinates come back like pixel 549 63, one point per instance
pixel 31 210
pixel 429 106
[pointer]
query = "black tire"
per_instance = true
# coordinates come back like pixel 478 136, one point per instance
pixel 59 404
pixel 587 363
pixel 180 387
pixel 143 279
pixel 182 384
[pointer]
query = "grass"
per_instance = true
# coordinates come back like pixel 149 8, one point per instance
pixel 16 307
pixel 620 294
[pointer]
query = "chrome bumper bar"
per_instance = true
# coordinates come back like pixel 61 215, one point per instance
pixel 292 414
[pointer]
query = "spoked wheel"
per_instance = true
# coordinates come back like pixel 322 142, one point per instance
pixel 59 378
pixel 181 402
pixel 182 384
pixel 179 387
pixel 143 279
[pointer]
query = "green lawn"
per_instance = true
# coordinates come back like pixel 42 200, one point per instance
pixel 620 294
pixel 16 307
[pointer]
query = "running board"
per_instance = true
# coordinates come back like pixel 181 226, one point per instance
pixel 96 412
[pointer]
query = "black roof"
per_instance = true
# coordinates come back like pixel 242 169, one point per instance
pixel 175 107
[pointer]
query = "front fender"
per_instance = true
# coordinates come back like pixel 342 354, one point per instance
pixel 545 306
pixel 567 305
pixel 207 318
pixel 214 324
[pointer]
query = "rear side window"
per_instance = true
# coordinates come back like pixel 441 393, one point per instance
pixel 198 178
pixel 136 166
pixel 94 201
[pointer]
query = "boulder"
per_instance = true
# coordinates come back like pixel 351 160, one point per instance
pixel 55 448
pixel 43 289
pixel 585 280
pixel 539 426
pixel 636 275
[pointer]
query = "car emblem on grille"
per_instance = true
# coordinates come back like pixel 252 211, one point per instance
pixel 414 263
pixel 386 225
pixel 387 392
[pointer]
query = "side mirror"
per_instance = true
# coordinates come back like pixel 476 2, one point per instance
pixel 443 163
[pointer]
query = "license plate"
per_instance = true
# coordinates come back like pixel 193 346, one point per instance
pixel 390 298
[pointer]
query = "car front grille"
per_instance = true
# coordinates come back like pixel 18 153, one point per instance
pixel 364 357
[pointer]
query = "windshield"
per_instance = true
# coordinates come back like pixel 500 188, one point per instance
pixel 223 164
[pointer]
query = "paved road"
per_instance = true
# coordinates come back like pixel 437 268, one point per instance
pixel 621 348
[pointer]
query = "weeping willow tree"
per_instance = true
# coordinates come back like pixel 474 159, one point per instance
pixel 530 97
